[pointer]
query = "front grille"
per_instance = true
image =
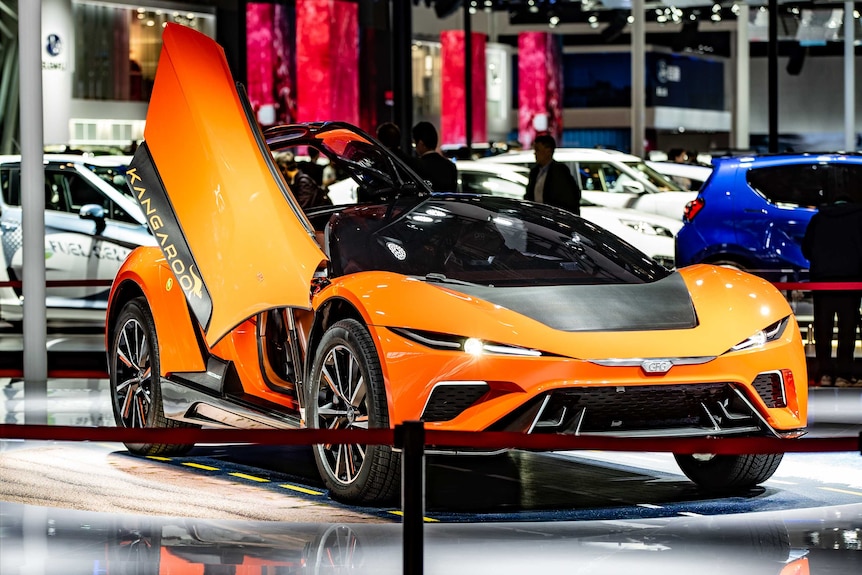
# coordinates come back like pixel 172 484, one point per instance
pixel 702 407
pixel 448 400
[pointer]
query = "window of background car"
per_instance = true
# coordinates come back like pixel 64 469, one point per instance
pixel 591 176
pixel 475 183
pixel 847 180
pixel 70 192
pixel 659 181
pixel 791 185
pixel 11 187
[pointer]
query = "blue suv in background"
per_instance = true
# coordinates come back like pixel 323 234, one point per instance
pixel 752 211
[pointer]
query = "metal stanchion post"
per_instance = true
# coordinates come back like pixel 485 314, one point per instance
pixel 410 437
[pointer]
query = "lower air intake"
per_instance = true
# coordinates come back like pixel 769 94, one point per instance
pixel 448 400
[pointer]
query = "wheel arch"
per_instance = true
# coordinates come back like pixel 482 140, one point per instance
pixel 332 311
pixel 178 342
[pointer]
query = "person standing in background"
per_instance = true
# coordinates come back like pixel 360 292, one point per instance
pixel 389 135
pixel 431 165
pixel 833 245
pixel 551 182
pixel 306 191
pixel 312 167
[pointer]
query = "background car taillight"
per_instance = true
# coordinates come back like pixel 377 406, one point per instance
pixel 692 208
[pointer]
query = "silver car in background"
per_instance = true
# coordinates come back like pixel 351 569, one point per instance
pixel 653 234
pixel 91 225
pixel 613 179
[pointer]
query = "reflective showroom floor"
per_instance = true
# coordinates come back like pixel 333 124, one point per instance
pixel 70 508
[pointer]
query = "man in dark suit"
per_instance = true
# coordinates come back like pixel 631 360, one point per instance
pixel 833 245
pixel 551 182
pixel 430 164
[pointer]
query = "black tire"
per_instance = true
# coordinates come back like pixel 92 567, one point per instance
pixel 725 472
pixel 346 391
pixel 136 393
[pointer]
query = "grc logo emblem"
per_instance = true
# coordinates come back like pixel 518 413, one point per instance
pixel 658 366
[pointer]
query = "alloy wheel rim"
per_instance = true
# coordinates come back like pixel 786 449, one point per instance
pixel 342 403
pixel 133 375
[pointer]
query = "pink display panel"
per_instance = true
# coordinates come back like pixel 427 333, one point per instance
pixel 540 84
pixel 327 60
pixel 271 62
pixel 453 117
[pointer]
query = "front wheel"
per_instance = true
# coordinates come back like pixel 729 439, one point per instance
pixel 136 393
pixel 722 472
pixel 346 391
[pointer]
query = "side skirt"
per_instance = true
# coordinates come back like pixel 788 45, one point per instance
pixel 184 403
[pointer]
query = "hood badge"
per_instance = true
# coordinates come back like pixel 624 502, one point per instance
pixel 657 366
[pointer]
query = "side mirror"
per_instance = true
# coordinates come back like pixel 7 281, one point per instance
pixel 96 213
pixel 634 187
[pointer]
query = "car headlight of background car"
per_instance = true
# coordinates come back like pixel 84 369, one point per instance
pixel 647 228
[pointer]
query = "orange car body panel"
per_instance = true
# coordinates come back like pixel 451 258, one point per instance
pixel 412 370
pixel 249 244
pixel 178 348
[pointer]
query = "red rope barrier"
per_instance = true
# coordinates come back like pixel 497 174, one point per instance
pixel 803 286
pixel 62 283
pixel 60 373
pixel 491 441
pixel 818 286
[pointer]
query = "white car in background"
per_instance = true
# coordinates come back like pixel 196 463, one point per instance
pixel 613 179
pixel 91 224
pixel 689 176
pixel 653 234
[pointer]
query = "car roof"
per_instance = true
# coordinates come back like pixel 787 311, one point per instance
pixel 677 169
pixel 76 158
pixel 789 158
pixel 491 167
pixel 567 154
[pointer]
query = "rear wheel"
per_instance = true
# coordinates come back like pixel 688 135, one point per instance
pixel 136 393
pixel 719 472
pixel 346 391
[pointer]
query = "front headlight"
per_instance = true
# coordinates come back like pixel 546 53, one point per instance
pixel 647 228
pixel 471 345
pixel 763 336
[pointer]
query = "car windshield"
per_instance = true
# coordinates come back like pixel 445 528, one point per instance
pixel 491 241
pixel 659 181
pixel 113 175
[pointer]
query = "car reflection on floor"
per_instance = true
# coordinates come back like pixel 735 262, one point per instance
pixel 46 540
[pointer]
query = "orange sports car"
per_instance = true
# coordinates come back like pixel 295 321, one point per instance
pixel 468 312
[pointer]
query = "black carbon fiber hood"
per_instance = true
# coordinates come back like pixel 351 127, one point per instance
pixel 664 304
